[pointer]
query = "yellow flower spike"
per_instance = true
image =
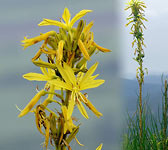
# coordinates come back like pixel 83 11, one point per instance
pixel 60 51
pixel 99 147
pixel 31 104
pixel 102 49
pixel 32 41
pixel 66 17
pixel 83 49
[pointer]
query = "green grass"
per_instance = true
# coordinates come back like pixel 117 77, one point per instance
pixel 155 135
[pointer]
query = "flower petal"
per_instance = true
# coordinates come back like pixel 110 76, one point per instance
pixel 91 84
pixel 60 84
pixel 101 48
pixel 82 109
pixel 35 76
pixel 71 105
pixel 70 74
pixel 79 15
pixel 64 74
pixel 32 103
pixel 89 73
pixel 91 107
pixel 66 15
pixel 47 22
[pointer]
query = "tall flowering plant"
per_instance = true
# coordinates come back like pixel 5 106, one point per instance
pixel 66 75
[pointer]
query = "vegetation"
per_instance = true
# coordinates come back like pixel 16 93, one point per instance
pixel 66 76
pixel 145 131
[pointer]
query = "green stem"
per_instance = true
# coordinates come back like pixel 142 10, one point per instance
pixel 165 117
pixel 140 115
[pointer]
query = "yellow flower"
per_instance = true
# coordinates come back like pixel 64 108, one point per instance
pixel 68 125
pixel 66 16
pixel 77 84
pixel 28 42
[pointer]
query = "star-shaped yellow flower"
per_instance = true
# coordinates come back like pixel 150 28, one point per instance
pixel 66 16
pixel 77 84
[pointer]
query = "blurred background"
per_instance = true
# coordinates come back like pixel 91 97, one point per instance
pixel 20 18
pixel 114 98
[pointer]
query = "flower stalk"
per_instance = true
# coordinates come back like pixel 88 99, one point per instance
pixel 136 18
